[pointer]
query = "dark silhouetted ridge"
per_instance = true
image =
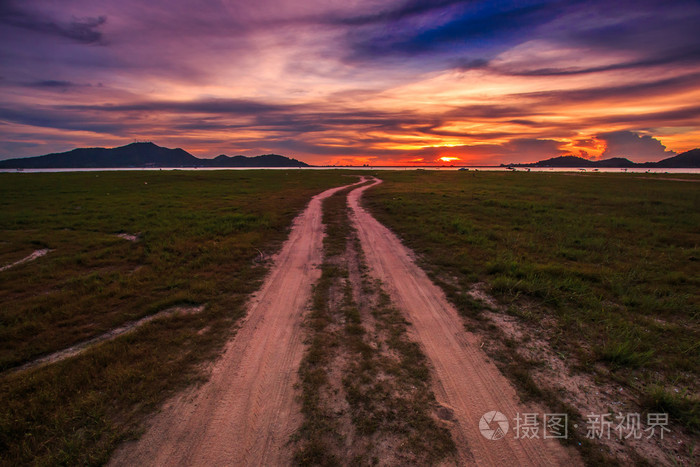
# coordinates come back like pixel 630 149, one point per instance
pixel 141 155
pixel 687 160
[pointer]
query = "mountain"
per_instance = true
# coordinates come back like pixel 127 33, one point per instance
pixel 142 155
pixel 562 161
pixel 573 161
pixel 689 159
pixel 132 155
pixel 615 162
pixel 266 160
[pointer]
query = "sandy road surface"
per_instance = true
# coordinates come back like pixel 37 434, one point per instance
pixel 246 412
pixel 465 380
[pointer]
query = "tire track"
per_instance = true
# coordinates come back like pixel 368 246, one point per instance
pixel 246 412
pixel 466 381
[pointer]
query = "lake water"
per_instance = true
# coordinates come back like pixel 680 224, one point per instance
pixel 443 168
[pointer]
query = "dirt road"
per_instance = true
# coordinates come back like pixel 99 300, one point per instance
pixel 246 412
pixel 466 382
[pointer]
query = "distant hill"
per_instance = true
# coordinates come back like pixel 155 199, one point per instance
pixel 687 160
pixel 141 155
pixel 573 161
pixel 266 160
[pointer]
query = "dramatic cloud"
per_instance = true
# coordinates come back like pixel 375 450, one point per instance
pixel 380 82
pixel 83 30
pixel 633 146
pixel 446 27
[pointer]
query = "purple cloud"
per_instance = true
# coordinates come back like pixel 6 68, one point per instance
pixel 504 81
pixel 84 30
pixel 637 148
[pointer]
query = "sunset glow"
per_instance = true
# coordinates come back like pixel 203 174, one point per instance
pixel 395 82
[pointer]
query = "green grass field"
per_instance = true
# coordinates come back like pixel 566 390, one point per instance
pixel 613 260
pixel 200 235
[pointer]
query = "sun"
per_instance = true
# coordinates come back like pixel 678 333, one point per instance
pixel 448 159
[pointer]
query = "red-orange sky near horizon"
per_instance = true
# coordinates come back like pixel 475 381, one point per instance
pixel 398 82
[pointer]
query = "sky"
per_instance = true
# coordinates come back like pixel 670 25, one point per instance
pixel 389 82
